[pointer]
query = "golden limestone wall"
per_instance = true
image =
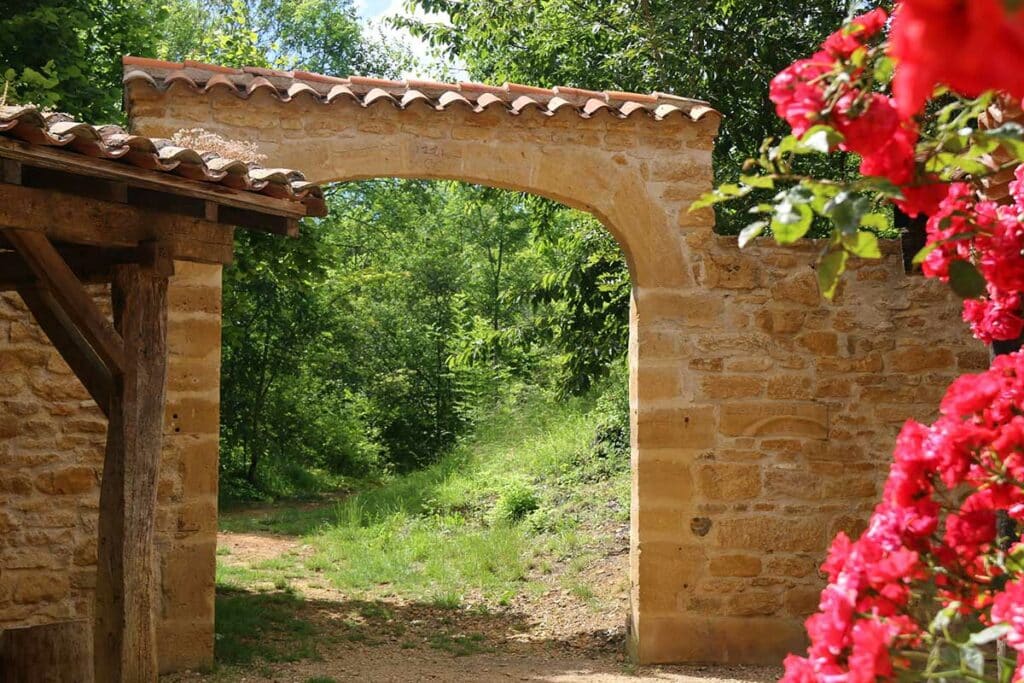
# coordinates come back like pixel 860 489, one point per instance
pixel 51 453
pixel 763 418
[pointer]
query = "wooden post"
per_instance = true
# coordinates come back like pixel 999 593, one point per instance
pixel 126 590
pixel 56 653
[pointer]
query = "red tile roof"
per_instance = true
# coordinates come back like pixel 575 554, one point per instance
pixel 366 91
pixel 29 124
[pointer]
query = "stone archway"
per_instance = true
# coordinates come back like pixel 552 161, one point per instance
pixel 761 417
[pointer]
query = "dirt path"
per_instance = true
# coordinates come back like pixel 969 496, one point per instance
pixel 557 635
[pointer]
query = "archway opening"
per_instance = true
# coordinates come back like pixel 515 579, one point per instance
pixel 440 369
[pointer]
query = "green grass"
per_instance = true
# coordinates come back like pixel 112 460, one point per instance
pixel 255 626
pixel 523 496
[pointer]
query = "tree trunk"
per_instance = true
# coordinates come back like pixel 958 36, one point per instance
pixel 54 653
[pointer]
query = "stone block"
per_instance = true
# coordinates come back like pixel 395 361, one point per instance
pixel 732 386
pixel 187 580
pixel 728 481
pixel 667 479
pixel 775 419
pixel 771 533
pixel 919 358
pixel 684 427
pixel 30 587
pixel 663 638
pixel 68 481
pixel 735 565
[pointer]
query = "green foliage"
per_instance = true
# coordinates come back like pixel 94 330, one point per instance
pixel 430 534
pixel 323 36
pixel 516 502
pixel 721 50
pixel 66 54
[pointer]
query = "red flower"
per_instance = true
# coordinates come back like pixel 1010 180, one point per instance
pixel 799 94
pixel 893 159
pixel 923 199
pixel 970 45
pixel 1008 608
pixel 867 122
pixel 846 40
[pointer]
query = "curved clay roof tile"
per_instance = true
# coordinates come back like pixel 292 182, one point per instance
pixel 112 144
pixel 451 98
pixel 368 91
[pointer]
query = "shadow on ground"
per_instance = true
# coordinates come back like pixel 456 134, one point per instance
pixel 279 636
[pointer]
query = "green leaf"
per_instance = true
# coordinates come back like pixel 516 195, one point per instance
pixel 722 193
pixel 792 218
pixel 990 634
pixel 751 231
pixel 972 658
pixel 862 244
pixel 760 181
pixel 920 256
pixel 875 221
pixel 882 186
pixel 1011 136
pixel 846 210
pixel 830 267
pixel 884 69
pixel 965 279
pixel 819 139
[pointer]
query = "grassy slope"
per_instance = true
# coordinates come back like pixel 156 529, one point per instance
pixel 526 495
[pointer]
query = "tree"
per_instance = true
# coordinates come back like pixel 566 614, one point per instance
pixel 66 54
pixel 725 51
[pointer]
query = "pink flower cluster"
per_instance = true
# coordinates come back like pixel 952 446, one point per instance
pixel 991 237
pixel 870 122
pixel 936 522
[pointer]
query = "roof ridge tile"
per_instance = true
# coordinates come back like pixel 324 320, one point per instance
pixel 366 91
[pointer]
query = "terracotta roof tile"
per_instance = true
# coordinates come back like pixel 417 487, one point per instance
pixel 515 98
pixel 201 66
pixel 29 124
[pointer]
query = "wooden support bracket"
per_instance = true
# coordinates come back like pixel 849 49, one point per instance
pixel 56 277
pixel 72 345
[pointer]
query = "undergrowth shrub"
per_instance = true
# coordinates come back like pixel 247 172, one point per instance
pixel 515 503
pixel 608 453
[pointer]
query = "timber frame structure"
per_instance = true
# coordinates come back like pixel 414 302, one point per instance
pixel 82 205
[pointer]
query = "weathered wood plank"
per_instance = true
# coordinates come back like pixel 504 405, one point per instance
pixel 134 176
pixel 80 220
pixel 57 278
pixel 61 653
pixel 126 591
pixel 73 347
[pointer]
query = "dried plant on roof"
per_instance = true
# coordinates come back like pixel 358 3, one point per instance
pixel 205 142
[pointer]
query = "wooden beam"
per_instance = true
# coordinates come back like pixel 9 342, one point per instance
pixel 52 652
pixel 91 265
pixel 81 220
pixel 134 176
pixel 71 344
pixel 57 278
pixel 126 590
